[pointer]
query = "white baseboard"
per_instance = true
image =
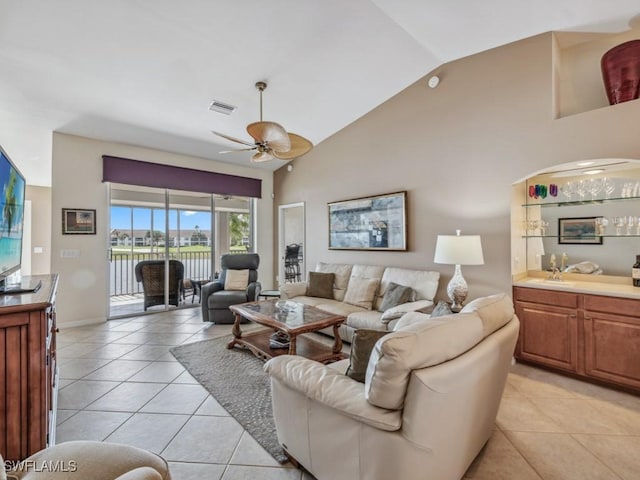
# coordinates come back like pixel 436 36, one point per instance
pixel 82 323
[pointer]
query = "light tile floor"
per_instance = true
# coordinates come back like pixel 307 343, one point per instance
pixel 120 383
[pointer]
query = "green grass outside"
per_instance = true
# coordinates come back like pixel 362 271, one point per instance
pixel 172 250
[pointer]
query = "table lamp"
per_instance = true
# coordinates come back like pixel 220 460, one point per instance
pixel 458 250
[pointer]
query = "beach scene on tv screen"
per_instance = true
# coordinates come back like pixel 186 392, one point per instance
pixel 11 211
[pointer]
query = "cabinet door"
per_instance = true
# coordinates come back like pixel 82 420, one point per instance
pixel 548 335
pixel 612 348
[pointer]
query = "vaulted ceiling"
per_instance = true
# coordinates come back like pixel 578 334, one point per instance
pixel 145 71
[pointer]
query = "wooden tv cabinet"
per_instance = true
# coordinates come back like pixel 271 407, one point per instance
pixel 595 337
pixel 28 370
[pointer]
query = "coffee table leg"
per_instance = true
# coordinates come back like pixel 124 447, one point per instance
pixel 237 333
pixel 337 342
pixel 292 344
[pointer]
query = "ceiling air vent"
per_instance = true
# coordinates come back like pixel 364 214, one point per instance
pixel 221 107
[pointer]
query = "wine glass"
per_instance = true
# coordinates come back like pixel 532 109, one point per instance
pixel 595 187
pixel 618 222
pixel 568 189
pixel 581 189
pixel 601 225
pixel 608 186
pixel 630 221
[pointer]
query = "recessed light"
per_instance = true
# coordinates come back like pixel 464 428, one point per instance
pixel 433 81
pixel 594 171
pixel 585 164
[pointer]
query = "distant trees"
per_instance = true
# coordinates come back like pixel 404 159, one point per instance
pixel 238 228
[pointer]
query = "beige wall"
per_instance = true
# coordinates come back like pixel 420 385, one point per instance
pixel 456 149
pixel 40 198
pixel 76 179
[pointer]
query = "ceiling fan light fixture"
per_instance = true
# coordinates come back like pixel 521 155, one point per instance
pixel 271 140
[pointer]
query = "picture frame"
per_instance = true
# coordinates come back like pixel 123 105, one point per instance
pixel 578 231
pixel 78 221
pixel 378 222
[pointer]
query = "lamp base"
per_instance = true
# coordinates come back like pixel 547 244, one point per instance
pixel 457 290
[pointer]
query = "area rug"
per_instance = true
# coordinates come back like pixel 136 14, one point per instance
pixel 235 378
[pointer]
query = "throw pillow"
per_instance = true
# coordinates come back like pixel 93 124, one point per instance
pixel 395 295
pixel 361 348
pixel 361 292
pixel 236 280
pixel 320 285
pixel 441 309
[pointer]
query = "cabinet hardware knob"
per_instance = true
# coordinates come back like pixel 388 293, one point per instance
pixel 573 315
pixel 57 330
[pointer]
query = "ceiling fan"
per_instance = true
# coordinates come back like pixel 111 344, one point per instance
pixel 271 139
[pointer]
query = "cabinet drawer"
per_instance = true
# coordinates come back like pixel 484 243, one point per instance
pixel 613 305
pixel 546 297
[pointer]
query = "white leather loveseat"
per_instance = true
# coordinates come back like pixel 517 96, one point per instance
pixel 428 405
pixel 423 283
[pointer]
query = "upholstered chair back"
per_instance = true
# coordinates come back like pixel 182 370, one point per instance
pixel 239 261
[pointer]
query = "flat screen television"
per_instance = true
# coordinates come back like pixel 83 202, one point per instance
pixel 12 188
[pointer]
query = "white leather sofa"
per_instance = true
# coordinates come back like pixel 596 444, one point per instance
pixel 427 407
pixel 424 284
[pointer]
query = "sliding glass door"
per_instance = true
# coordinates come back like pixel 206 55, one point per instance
pixel 165 244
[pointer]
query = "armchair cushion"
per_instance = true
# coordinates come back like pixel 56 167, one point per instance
pixel 236 280
pixel 363 342
pixel 320 285
pixel 330 387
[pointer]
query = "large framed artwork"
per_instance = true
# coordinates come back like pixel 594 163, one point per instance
pixel 370 223
pixel 578 231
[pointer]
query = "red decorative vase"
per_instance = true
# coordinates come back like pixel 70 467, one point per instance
pixel 621 72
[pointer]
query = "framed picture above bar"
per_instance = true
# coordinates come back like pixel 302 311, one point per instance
pixel 77 221
pixel 369 223
pixel 579 231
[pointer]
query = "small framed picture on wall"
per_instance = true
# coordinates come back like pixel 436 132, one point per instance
pixel 576 231
pixel 78 221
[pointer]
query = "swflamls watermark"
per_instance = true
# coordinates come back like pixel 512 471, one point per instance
pixel 61 466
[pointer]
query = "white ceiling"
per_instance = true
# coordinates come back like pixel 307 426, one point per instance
pixel 144 71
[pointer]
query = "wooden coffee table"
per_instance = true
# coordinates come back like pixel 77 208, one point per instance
pixel 294 321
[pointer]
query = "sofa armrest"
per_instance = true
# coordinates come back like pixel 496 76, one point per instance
pixel 253 290
pixel 205 291
pixel 291 290
pixel 332 389
pixel 398 311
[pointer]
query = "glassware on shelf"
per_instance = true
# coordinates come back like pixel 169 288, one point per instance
pixel 638 225
pixel 627 190
pixel 581 189
pixel 601 225
pixel 630 221
pixel 543 224
pixel 619 222
pixel 608 186
pixel 568 189
pixel 594 186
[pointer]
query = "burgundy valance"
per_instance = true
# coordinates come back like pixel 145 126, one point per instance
pixel 148 174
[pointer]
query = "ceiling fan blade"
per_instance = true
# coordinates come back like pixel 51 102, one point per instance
pixel 262 157
pixel 233 139
pixel 299 146
pixel 270 133
pixel 239 150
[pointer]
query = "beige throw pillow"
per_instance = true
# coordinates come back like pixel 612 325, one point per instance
pixel 361 292
pixel 236 280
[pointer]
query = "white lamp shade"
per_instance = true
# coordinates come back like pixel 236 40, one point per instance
pixel 459 250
